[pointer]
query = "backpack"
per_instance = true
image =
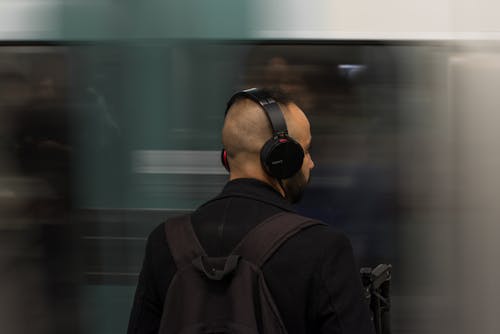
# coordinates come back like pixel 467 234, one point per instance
pixel 225 294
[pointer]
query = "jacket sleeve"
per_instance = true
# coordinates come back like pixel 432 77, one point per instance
pixel 342 308
pixel 147 307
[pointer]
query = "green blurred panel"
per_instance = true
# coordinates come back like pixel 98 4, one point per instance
pixel 102 20
pixel 155 95
pixel 90 21
pixel 174 191
pixel 147 95
pixel 106 308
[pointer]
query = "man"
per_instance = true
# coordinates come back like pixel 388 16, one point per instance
pixel 312 276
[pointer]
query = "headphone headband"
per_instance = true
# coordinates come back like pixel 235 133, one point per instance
pixel 270 106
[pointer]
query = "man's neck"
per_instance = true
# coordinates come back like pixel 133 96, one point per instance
pixel 263 178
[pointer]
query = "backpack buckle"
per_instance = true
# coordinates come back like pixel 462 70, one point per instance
pixel 216 268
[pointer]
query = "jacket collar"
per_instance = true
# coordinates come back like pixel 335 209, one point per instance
pixel 254 189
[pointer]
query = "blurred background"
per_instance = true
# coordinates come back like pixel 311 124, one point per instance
pixel 110 118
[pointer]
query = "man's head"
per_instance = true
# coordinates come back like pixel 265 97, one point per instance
pixel 247 129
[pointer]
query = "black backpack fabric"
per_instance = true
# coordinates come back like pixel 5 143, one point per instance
pixel 225 294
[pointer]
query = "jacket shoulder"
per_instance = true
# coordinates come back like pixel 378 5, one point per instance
pixel 323 232
pixel 158 233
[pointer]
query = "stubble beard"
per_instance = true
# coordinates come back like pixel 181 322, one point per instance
pixel 295 186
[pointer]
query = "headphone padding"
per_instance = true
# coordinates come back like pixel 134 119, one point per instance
pixel 223 159
pixel 282 157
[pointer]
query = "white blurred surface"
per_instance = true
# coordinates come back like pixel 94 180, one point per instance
pixel 296 19
pixel 474 82
pixel 29 20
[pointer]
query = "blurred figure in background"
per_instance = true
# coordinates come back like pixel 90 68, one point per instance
pixel 353 114
pixel 37 255
pixel 20 270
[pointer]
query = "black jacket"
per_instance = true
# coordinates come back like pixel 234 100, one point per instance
pixel 313 277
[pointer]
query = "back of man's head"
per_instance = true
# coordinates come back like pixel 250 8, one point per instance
pixel 246 130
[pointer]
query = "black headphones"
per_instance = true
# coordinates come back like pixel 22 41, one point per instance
pixel 281 156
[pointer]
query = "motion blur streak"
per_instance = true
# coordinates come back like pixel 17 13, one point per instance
pixel 475 81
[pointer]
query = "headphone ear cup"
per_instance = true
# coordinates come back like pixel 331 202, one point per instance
pixel 223 159
pixel 282 158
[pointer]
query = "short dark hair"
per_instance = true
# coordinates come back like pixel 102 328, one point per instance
pixel 279 95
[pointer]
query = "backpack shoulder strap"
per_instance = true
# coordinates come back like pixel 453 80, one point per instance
pixel 265 238
pixel 182 241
